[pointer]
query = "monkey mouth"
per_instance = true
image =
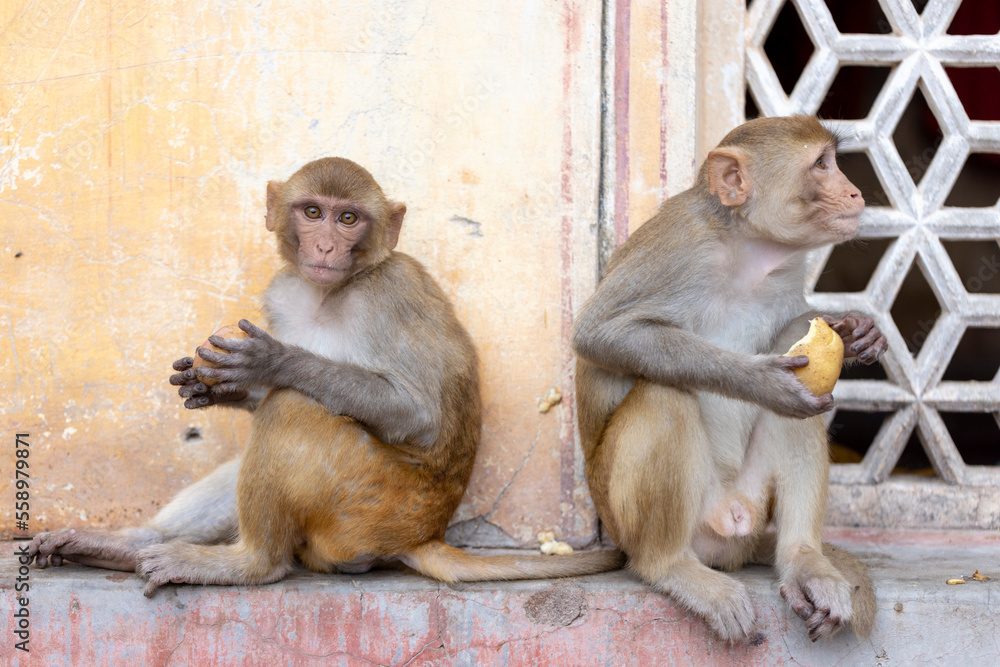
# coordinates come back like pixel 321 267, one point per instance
pixel 848 225
pixel 322 274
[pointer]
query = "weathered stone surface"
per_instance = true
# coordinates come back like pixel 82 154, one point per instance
pixel 82 616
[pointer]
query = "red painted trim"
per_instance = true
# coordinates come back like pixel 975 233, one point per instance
pixel 664 63
pixel 622 174
pixel 567 429
pixel 918 537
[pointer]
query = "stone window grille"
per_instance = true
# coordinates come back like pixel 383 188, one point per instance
pixel 915 225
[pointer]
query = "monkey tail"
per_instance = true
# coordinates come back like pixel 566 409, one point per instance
pixel 440 561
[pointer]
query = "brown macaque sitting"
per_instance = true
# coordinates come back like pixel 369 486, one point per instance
pixel 697 434
pixel 364 435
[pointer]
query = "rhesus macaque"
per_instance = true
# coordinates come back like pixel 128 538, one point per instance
pixel 364 438
pixel 697 434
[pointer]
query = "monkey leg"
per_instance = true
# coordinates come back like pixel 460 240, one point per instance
pixel 234 505
pixel 204 512
pixel 316 486
pixel 657 460
pixel 220 564
pixel 285 478
pixel 816 590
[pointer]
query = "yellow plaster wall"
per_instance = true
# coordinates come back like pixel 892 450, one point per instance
pixel 136 141
pixel 685 92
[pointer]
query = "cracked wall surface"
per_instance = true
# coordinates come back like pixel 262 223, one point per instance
pixel 136 140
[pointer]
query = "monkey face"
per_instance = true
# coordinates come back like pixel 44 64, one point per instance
pixel 836 203
pixel 331 233
pixel 332 220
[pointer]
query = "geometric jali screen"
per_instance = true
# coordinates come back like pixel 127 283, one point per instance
pixel 934 223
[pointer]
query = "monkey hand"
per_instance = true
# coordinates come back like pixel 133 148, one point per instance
pixel 862 339
pixel 781 392
pixel 247 362
pixel 195 392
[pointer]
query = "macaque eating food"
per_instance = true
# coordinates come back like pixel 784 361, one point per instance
pixel 697 433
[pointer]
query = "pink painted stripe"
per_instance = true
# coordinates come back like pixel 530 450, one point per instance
pixel 664 63
pixel 919 537
pixel 622 32
pixel 567 429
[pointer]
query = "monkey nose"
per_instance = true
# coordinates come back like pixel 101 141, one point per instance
pixel 326 250
pixel 856 198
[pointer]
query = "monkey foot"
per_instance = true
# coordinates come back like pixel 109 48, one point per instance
pixel 720 599
pixel 171 563
pixel 93 548
pixel 734 619
pixel 823 602
pixel 219 564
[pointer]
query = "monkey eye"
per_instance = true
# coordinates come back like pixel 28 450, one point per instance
pixel 348 218
pixel 312 212
pixel 820 164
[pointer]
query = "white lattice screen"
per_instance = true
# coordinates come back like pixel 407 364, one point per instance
pixel 916 220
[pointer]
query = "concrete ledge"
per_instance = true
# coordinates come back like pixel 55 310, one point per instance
pixel 81 616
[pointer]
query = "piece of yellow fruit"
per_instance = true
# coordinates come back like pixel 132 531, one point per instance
pixel 228 331
pixel 825 350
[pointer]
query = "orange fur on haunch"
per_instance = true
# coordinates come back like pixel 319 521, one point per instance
pixel 696 432
pixel 367 416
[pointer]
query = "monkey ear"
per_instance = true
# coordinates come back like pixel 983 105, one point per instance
pixel 396 212
pixel 729 176
pixel 273 195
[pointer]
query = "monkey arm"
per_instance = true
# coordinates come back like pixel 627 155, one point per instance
pixel 660 352
pixel 394 409
pixel 639 344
